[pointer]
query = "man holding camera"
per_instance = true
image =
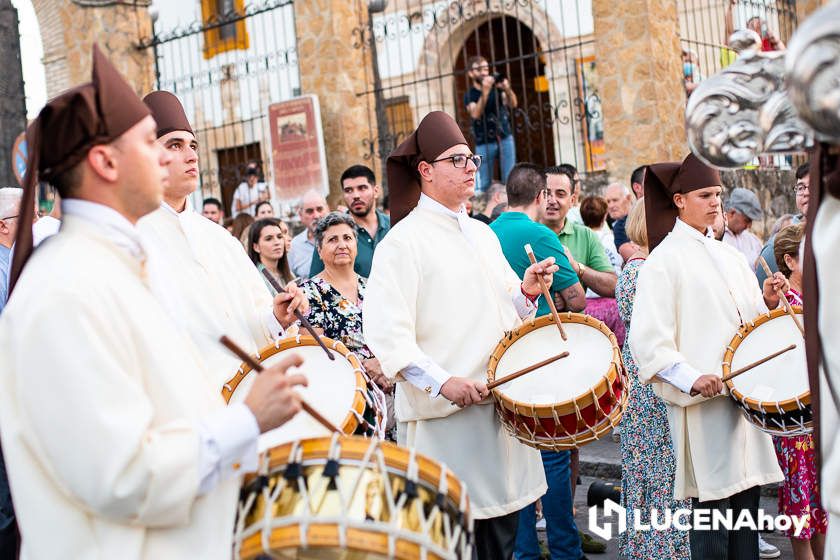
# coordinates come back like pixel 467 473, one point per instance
pixel 488 102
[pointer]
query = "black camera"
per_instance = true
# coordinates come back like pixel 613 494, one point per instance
pixel 499 77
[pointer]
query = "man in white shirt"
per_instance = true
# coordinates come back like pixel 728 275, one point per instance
pixel 313 207
pixel 115 445
pixel 692 296
pixel 440 296
pixel 250 192
pixel 197 270
pixel 741 209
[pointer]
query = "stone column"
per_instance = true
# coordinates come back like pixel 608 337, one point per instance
pixel 805 8
pixel 639 61
pixel 69 30
pixel 334 70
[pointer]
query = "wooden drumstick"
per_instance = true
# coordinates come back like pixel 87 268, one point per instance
pixel 304 322
pixel 257 367
pixel 748 367
pixel 782 297
pixel 546 293
pixel 502 380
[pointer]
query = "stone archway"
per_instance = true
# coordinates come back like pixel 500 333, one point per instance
pixel 443 54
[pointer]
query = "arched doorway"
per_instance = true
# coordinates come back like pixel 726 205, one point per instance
pixel 514 51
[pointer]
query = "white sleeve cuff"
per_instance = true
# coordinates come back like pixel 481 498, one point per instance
pixel 228 445
pixel 426 376
pixel 523 305
pixel 680 375
pixel 272 325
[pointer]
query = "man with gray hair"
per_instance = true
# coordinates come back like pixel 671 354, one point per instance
pixel 740 210
pixel 493 196
pixel 619 200
pixel 9 219
pixel 313 207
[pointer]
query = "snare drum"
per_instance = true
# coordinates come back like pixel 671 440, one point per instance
pixel 338 389
pixel 774 396
pixel 567 403
pixel 352 498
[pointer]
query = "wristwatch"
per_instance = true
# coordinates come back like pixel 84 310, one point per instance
pixel 581 269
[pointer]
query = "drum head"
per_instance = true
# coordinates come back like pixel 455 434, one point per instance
pixel 332 391
pixel 589 360
pixel 780 381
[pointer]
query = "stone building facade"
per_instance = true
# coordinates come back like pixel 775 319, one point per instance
pixel 600 81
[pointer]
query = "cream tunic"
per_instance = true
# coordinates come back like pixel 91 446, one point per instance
pixel 686 310
pixel 210 287
pixel 436 292
pixel 100 403
pixel 826 245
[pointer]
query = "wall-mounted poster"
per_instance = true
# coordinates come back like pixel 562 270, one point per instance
pixel 592 123
pixel 297 147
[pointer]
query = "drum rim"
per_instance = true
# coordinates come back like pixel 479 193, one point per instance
pixel 350 422
pixel 788 405
pixel 584 400
pixel 355 447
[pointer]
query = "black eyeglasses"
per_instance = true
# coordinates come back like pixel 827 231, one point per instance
pixel 10 217
pixel 460 160
pixel 800 188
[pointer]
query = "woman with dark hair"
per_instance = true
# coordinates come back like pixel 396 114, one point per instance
pixel 267 249
pixel 264 209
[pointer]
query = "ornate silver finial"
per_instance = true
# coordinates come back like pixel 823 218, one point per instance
pixel 744 40
pixel 813 71
pixel 743 111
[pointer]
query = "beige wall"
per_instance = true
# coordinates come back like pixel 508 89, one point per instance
pixel 68 32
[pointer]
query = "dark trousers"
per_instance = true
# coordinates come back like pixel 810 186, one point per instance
pixel 722 544
pixel 494 537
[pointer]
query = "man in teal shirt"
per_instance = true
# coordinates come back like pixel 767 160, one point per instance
pixel 585 252
pixel 360 191
pixel 520 226
pixel 526 191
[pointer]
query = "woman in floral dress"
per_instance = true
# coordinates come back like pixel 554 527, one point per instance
pixel 799 493
pixel 336 294
pixel 647 454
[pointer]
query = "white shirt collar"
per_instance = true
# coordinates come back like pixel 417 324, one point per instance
pixel 430 203
pixel 710 233
pixel 114 225
pixel 463 219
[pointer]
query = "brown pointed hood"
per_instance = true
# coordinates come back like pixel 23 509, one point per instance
pixel 437 133
pixel 168 112
pixel 662 182
pixel 65 130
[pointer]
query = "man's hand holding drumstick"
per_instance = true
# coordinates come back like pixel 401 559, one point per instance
pixel 463 391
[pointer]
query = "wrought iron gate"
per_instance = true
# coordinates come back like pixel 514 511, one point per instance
pixel 417 55
pixel 227 62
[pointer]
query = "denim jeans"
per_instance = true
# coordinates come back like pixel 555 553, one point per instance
pixel 562 532
pixel 489 152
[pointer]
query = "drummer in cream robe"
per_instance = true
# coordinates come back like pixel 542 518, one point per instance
pixel 693 294
pixel 822 323
pixel 197 270
pixel 439 298
pixel 115 444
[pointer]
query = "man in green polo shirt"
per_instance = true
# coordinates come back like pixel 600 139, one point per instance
pixel 520 226
pixel 360 191
pixel 585 252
